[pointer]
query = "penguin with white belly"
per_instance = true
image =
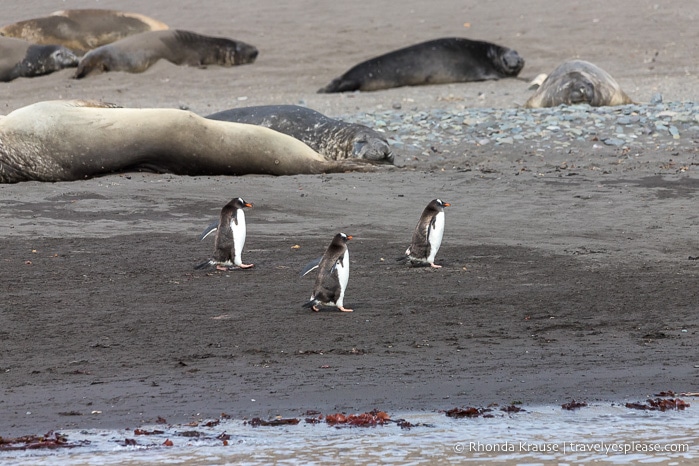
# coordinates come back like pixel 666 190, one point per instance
pixel 230 237
pixel 427 237
pixel 333 275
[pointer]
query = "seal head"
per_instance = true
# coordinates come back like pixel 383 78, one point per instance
pixel 578 82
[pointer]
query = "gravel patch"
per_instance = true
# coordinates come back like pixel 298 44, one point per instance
pixel 662 125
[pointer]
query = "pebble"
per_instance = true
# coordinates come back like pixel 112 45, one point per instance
pixel 622 126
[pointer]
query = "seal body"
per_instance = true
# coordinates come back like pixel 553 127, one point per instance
pixel 230 237
pixel 333 276
pixel 428 234
pixel 82 29
pixel 22 59
pixel 439 61
pixel 578 82
pixel 73 140
pixel 334 139
pixel 137 53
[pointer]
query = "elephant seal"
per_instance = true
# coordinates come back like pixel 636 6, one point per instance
pixel 137 53
pixel 439 61
pixel 334 139
pixel 578 82
pixel 22 59
pixel 82 29
pixel 74 140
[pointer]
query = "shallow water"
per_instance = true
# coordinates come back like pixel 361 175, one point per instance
pixel 538 435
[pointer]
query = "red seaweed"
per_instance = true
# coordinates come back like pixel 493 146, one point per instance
pixel 573 405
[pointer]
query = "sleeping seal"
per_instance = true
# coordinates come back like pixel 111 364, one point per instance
pixel 334 139
pixel 137 53
pixel 73 140
pixel 578 82
pixel 439 61
pixel 22 59
pixel 82 29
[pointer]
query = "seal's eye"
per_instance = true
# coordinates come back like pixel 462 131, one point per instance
pixel 359 147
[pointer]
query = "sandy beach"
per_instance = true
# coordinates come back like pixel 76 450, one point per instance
pixel 566 273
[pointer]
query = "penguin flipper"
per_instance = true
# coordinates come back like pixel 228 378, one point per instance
pixel 401 259
pixel 311 266
pixel 210 229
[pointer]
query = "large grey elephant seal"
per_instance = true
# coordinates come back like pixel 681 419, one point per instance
pixel 334 139
pixel 439 61
pixel 82 29
pixel 139 52
pixel 578 82
pixel 73 140
pixel 22 59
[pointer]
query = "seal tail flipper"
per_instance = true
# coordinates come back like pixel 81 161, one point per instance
pixel 310 267
pixel 203 265
pixel 210 229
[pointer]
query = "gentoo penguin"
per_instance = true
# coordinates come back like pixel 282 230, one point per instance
pixel 427 236
pixel 230 237
pixel 333 275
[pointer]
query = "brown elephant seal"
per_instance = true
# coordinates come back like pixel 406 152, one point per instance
pixel 578 82
pixel 334 139
pixel 82 29
pixel 439 61
pixel 137 53
pixel 22 59
pixel 74 140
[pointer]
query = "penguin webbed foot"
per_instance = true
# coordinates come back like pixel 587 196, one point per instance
pixel 344 309
pixel 230 268
pixel 435 266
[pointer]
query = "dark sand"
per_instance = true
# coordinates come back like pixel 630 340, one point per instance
pixel 557 284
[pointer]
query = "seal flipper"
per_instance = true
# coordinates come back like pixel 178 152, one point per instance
pixel 210 229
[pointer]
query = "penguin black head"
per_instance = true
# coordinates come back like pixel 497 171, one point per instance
pixel 239 203
pixel 438 204
pixel 341 237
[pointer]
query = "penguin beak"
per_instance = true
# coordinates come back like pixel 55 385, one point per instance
pixel 247 204
pixel 349 237
pixel 446 204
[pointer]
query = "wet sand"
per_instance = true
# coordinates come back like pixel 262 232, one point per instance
pixel 556 285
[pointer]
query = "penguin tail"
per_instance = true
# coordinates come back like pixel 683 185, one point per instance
pixel 310 304
pixel 203 265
